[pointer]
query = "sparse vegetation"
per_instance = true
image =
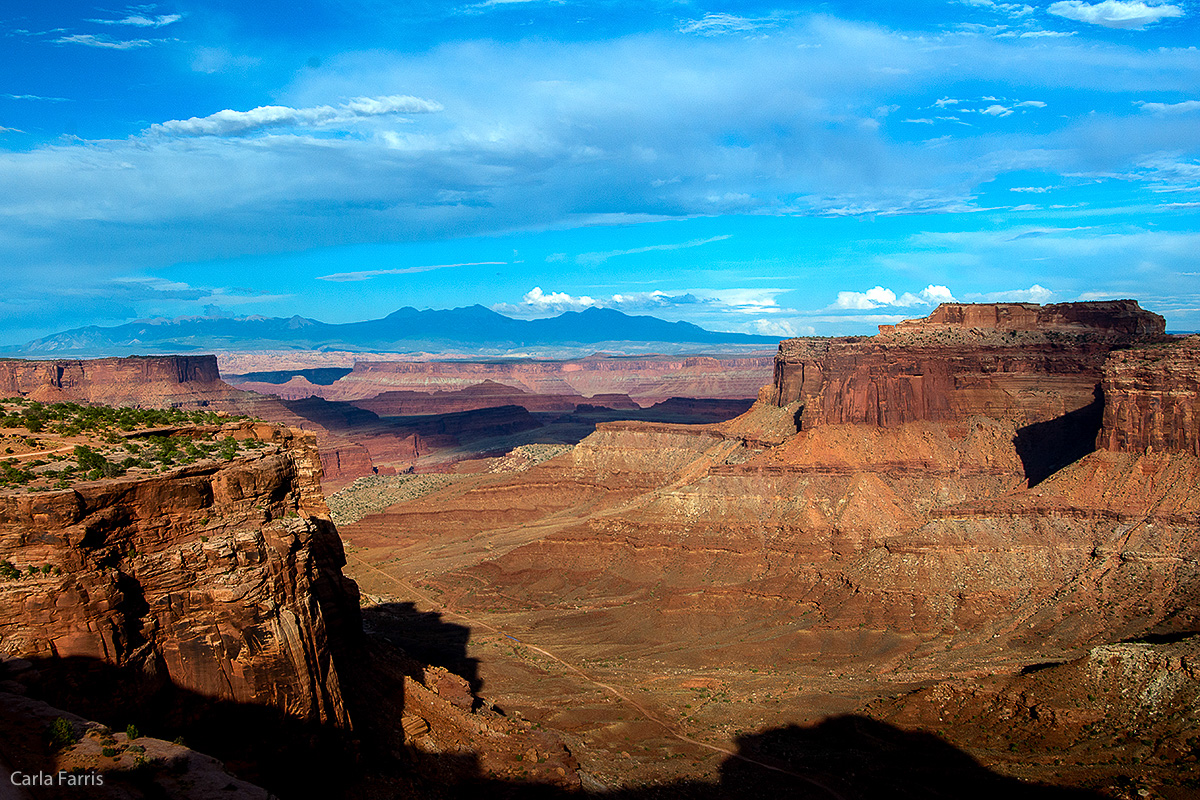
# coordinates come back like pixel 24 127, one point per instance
pixel 61 734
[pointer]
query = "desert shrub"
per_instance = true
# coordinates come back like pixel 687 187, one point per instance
pixel 61 734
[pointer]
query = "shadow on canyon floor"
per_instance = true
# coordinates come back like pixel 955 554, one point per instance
pixel 841 757
pixel 426 637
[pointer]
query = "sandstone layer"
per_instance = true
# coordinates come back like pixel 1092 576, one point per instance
pixel 1010 361
pixel 178 381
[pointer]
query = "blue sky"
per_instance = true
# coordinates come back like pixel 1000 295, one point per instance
pixel 798 169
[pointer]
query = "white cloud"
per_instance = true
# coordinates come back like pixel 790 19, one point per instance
pixel 879 297
pixel 721 24
pixel 772 327
pixel 1034 294
pixel 230 123
pixel 712 306
pixel 1030 189
pixel 141 21
pixel 1115 13
pixel 1012 9
pixel 1030 104
pixel 946 101
pixel 996 111
pixel 1185 107
pixel 106 42
pixel 538 302
pixel 363 275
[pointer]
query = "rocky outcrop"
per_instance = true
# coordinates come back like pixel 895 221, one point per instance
pixel 1152 399
pixel 1020 362
pixel 219 579
pixel 1116 318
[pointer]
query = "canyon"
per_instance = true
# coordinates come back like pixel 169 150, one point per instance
pixel 957 556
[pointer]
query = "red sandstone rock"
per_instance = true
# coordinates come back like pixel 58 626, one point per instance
pixel 186 381
pixel 222 578
pixel 1012 361
pixel 1152 399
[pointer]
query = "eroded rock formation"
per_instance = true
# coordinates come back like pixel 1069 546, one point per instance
pixel 180 381
pixel 1152 399
pixel 1017 362
pixel 219 579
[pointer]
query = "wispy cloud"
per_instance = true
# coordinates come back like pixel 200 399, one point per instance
pixel 721 24
pixel 105 42
pixel 1012 9
pixel 141 20
pixel 34 97
pixel 367 274
pixel 1130 14
pixel 232 123
pixel 1185 107
pixel 596 258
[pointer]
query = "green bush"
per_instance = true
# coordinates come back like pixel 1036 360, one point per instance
pixel 61 734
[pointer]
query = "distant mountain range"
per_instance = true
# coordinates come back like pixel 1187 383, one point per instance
pixel 476 328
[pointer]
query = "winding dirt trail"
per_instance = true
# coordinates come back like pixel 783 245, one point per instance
pixel 667 727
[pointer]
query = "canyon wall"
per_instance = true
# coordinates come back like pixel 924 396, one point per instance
pixel 219 579
pixel 178 381
pixel 648 379
pixel 1015 361
pixel 1152 399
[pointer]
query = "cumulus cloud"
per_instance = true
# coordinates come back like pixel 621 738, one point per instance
pixel 1115 13
pixel 714 303
pixel 106 42
pixel 232 123
pixel 773 327
pixel 880 297
pixel 1034 294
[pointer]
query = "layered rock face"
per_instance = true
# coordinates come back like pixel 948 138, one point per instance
pixel 926 494
pixel 1152 399
pixel 488 394
pixel 1018 362
pixel 222 580
pixel 180 381
pixel 647 380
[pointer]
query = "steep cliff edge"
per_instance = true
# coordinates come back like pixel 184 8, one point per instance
pixel 1018 362
pixel 181 381
pixel 222 579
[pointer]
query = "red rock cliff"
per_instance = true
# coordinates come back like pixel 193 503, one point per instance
pixel 1016 361
pixel 222 579
pixel 1152 399
pixel 138 380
